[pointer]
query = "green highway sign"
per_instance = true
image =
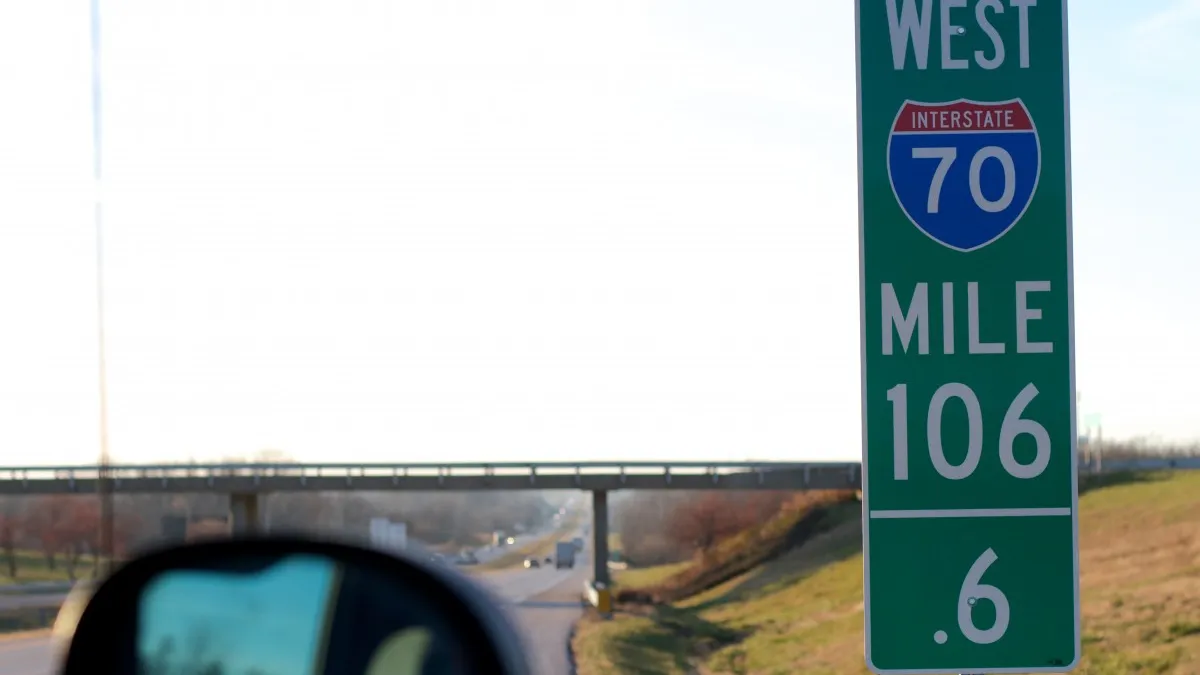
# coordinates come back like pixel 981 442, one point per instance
pixel 970 488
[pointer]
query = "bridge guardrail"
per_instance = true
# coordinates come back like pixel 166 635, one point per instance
pixel 353 470
pixel 334 470
pixel 286 477
pixel 260 477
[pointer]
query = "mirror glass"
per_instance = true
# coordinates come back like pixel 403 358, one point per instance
pixel 265 621
pixel 297 614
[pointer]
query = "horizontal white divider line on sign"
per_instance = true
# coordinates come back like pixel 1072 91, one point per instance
pixel 971 513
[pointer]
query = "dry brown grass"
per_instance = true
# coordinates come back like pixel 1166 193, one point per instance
pixel 802 613
pixel 1139 565
pixel 799 519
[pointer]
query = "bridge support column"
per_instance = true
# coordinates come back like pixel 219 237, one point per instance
pixel 243 513
pixel 600 536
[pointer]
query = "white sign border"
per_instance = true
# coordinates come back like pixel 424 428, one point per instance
pixel 862 321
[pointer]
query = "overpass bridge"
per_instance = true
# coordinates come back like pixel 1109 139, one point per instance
pixel 245 483
pixel 251 478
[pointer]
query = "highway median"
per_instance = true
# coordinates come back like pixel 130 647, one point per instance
pixel 21 620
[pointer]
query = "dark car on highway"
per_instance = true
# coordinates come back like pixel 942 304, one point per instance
pixel 531 563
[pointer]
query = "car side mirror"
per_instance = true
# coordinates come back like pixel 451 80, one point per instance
pixel 290 606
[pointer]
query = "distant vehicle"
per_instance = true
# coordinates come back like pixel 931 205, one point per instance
pixel 388 535
pixel 531 563
pixel 467 557
pixel 578 541
pixel 510 541
pixel 564 555
pixel 549 559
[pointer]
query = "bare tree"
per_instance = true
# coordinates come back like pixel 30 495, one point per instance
pixel 10 530
pixel 704 522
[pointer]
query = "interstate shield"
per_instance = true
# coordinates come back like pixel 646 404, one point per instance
pixel 964 171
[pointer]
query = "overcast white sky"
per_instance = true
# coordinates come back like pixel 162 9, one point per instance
pixel 518 230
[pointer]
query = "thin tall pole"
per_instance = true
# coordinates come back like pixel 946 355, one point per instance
pixel 103 484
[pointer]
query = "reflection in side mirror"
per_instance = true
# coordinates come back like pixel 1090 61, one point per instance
pixel 268 620
pixel 284 606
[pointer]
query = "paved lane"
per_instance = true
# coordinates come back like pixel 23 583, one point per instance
pixel 546 602
pixel 29 655
pixel 25 656
pixel 547 614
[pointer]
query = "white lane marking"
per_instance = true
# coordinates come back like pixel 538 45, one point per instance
pixel 971 513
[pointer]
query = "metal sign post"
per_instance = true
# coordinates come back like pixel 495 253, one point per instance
pixel 970 469
pixel 104 483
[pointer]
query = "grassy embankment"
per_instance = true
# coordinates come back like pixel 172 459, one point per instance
pixel 32 566
pixel 647 577
pixel 802 612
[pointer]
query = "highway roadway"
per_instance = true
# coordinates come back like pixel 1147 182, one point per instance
pixel 545 602
pixel 25 656
pixel 24 600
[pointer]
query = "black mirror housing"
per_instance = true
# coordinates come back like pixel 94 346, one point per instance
pixel 315 606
